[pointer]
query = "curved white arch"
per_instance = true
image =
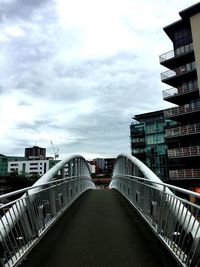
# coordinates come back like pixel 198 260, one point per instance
pixel 128 168
pixel 82 170
pixel 125 170
pixel 78 169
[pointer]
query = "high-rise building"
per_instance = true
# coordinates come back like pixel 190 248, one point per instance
pixel 148 141
pixel 183 76
pixel 35 151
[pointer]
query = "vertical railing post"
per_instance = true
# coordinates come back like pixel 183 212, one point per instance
pixel 162 209
pixel 24 218
pixel 32 215
pixel 62 172
pixel 52 202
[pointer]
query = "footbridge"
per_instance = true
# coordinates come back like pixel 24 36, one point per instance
pixel 63 220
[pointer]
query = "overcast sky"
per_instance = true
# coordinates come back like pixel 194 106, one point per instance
pixel 75 72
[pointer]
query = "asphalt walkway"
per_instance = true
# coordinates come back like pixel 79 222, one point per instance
pixel 100 229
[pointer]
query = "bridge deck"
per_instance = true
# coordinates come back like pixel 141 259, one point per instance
pixel 99 229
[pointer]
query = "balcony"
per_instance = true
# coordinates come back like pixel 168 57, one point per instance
pixel 180 95
pixel 178 75
pixel 137 132
pixel 183 130
pixel 193 151
pixel 139 153
pixel 184 174
pixel 138 144
pixel 180 56
pixel 187 110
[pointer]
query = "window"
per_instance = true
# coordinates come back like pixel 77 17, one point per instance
pixel 33 163
pixel 14 169
pixel 33 168
pixel 182 37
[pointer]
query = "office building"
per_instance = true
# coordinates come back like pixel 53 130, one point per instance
pixel 4 160
pixel 30 167
pixel 147 134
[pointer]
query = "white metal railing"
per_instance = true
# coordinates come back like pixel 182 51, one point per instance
pixel 178 71
pixel 174 219
pixel 166 56
pixel 184 109
pixel 183 130
pixel 178 91
pixel 25 220
pixel 184 174
pixel 170 92
pixel 184 152
pixel 178 52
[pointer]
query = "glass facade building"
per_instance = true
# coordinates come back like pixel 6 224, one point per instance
pixel 148 141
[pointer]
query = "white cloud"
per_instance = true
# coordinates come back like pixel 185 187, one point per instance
pixel 14 31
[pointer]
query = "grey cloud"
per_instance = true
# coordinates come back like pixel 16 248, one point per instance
pixel 34 125
pixel 24 103
pixel 20 8
pixel 120 86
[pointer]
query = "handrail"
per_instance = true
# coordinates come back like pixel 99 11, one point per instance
pixel 184 109
pixel 178 71
pixel 184 174
pixel 172 218
pixel 30 216
pixel 178 91
pixel 166 185
pixel 176 53
pixel 184 152
pixel 183 130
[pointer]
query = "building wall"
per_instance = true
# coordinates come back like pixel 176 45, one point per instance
pixel 4 160
pixel 109 165
pixel 195 26
pixel 31 166
pixel 35 151
pixel 148 142
pixel 184 140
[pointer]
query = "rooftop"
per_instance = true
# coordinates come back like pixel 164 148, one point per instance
pixel 185 16
pixel 147 115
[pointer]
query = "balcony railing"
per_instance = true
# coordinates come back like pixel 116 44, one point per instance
pixel 178 91
pixel 178 71
pixel 184 109
pixel 183 130
pixel 184 152
pixel 178 52
pixel 138 151
pixel 185 174
pixel 170 92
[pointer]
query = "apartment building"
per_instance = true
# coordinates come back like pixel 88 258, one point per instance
pixel 183 78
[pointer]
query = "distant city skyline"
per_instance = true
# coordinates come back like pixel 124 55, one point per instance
pixel 76 72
